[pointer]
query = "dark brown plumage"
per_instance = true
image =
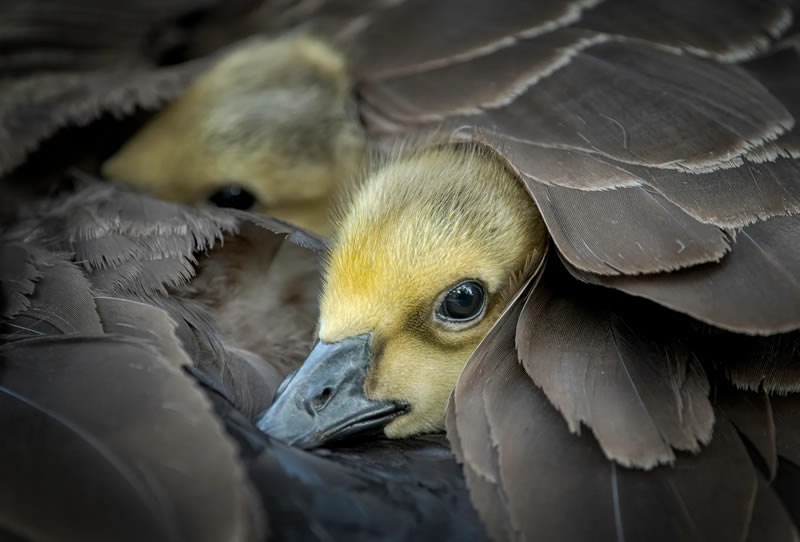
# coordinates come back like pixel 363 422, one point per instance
pixel 117 312
pixel 83 341
pixel 654 395
pixel 660 144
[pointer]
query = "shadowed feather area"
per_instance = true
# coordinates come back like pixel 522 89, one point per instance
pixel 105 250
pixel 752 290
pixel 52 389
pixel 105 434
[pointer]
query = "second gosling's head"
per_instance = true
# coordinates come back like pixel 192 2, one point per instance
pixel 425 257
pixel 270 127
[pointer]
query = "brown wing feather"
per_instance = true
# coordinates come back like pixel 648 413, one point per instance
pixel 432 96
pixel 241 289
pixel 787 486
pixel 763 183
pixel 150 412
pixel 779 72
pixel 754 289
pixel 756 363
pixel 142 321
pixel 261 289
pixel 616 98
pixel 249 380
pixel 787 437
pixel 559 486
pixel 733 196
pixel 449 31
pixel 718 28
pixel 476 442
pixel 751 414
pixel 61 301
pixel 770 519
pixel 625 231
pixel 635 384
pixel 171 267
pixel 18 276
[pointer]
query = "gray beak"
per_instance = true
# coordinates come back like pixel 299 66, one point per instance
pixel 324 399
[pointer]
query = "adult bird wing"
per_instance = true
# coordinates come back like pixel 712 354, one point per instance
pixel 104 435
pixel 660 144
pixel 96 407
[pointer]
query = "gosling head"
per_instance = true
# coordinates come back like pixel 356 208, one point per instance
pixel 424 260
pixel 271 127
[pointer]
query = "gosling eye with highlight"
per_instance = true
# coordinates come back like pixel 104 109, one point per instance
pixel 464 303
pixel 233 196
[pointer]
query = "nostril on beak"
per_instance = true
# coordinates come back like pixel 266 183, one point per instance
pixel 317 401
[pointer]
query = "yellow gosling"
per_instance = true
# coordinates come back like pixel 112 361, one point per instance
pixel 270 127
pixel 425 257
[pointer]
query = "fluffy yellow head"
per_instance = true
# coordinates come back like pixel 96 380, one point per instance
pixel 273 117
pixel 420 225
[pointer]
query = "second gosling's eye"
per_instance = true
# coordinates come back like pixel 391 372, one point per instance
pixel 463 302
pixel 233 196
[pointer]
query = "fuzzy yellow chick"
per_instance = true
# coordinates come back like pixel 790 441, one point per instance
pixel 425 257
pixel 271 127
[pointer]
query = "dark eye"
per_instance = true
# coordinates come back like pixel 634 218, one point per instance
pixel 463 302
pixel 233 196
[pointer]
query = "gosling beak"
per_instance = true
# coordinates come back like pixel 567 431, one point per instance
pixel 324 399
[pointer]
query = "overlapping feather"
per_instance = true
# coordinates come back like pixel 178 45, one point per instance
pixel 639 387
pixel 105 435
pixel 96 333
